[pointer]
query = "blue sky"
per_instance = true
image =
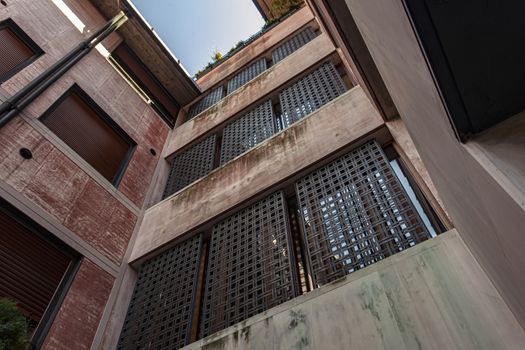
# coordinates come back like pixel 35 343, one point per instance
pixel 192 29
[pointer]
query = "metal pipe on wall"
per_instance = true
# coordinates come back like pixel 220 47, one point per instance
pixel 12 106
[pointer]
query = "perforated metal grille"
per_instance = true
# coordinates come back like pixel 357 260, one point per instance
pixel 250 268
pixel 246 74
pixel 159 315
pixel 191 165
pixel 355 213
pixel 310 93
pixel 209 100
pixel 247 131
pixel 293 44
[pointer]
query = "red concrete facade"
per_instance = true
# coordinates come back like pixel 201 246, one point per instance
pixel 64 190
pixel 76 322
pixel 99 216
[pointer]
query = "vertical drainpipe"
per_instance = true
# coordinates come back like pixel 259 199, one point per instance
pixel 16 103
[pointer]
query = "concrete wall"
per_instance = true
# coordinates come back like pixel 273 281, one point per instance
pixel 268 81
pixel 57 188
pixel 351 117
pixel 431 296
pixel 487 216
pixel 256 48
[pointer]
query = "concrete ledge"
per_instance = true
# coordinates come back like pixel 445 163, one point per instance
pixel 257 48
pixel 351 116
pixel 302 59
pixel 431 296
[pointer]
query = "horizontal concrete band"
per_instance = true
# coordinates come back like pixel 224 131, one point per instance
pixel 256 48
pixel 345 120
pixel 431 296
pixel 302 59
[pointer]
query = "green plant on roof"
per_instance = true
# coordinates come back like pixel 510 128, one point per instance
pixel 282 7
pixel 13 327
pixel 217 56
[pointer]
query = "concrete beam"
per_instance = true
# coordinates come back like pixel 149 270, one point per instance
pixel 256 49
pixel 431 296
pixel 273 78
pixel 351 116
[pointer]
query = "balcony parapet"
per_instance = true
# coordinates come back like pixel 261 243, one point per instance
pixel 270 80
pixel 414 299
pixel 344 121
pixel 255 49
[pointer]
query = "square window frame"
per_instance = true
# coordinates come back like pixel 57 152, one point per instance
pixel 76 89
pixel 21 218
pixel 156 104
pixel 10 24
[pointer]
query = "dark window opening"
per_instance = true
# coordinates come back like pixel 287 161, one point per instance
pixel 35 270
pixel 476 56
pixel 132 67
pixel 425 210
pixel 17 50
pixel 78 121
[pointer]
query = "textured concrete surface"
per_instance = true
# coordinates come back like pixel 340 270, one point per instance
pixel 351 117
pixel 431 296
pixel 488 218
pixel 56 178
pixel 256 48
pixel 57 188
pixel 268 81
pixel 53 32
pixel 76 322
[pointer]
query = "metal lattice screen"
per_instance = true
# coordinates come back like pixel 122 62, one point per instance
pixel 191 165
pixel 247 131
pixel 250 265
pixel 209 100
pixel 310 93
pixel 293 44
pixel 247 74
pixel 160 312
pixel 355 213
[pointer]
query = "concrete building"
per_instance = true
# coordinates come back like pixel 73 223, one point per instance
pixel 345 179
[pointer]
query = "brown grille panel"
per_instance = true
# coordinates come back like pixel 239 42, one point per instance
pixel 310 93
pixel 191 165
pixel 355 212
pixel 247 131
pixel 160 312
pixel 293 44
pixel 247 74
pixel 209 100
pixel 250 265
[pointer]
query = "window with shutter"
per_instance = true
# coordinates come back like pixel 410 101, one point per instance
pixel 132 66
pixel 35 269
pixel 78 121
pixel 17 50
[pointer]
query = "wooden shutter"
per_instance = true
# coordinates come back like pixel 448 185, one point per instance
pixel 31 268
pixel 89 133
pixel 14 52
pixel 146 80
